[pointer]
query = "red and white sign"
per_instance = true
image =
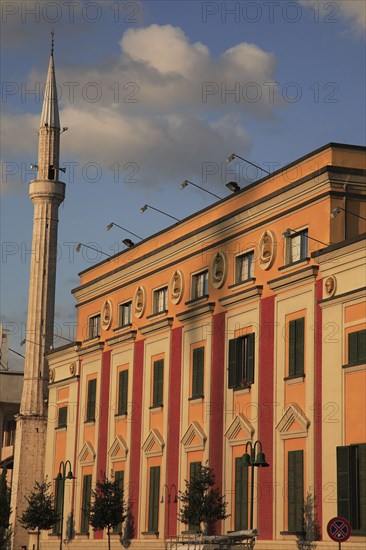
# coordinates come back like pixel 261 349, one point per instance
pixel 339 529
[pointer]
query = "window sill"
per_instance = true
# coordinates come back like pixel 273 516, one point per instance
pixel 123 327
pixel 295 379
pixel 243 283
pixel 62 428
pixel 298 263
pixel 355 364
pixel 92 339
pixel 156 408
pixel 244 389
pixel 197 300
pixel 150 534
pixel 196 398
pixel 292 533
pixel 90 421
pixel 121 414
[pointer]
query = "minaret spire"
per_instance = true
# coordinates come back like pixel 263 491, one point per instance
pixel 47 193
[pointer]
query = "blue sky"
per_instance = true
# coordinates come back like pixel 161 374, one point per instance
pixel 155 92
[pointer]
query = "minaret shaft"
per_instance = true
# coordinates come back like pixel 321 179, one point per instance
pixel 46 193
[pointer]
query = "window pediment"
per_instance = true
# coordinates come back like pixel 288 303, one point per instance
pixel 294 423
pixel 239 431
pixel 87 454
pixel 154 443
pixel 194 438
pixel 118 449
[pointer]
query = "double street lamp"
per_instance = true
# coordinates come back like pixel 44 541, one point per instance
pixel 169 491
pixel 249 459
pixel 60 480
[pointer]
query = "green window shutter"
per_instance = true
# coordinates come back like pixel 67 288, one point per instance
pixel 198 372
pixel 158 382
pixel 119 478
pixel 343 482
pixel 295 480
pixel 241 495
pixel 362 485
pixel 153 519
pixel 361 345
pixel 300 344
pixel 233 363
pixel 194 471
pixel 59 487
pixel 92 392
pixel 123 392
pixel 352 347
pixel 85 507
pixel 62 417
pixel 292 348
pixel 250 358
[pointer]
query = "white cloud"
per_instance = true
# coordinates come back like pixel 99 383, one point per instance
pixel 355 10
pixel 165 104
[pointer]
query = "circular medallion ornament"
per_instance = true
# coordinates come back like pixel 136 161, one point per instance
pixel 218 269
pixel 267 249
pixel 176 287
pixel 139 301
pixel 72 368
pixel 51 375
pixel 330 286
pixel 107 314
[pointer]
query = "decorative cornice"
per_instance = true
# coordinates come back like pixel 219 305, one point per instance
pixel 199 311
pixel 119 444
pixel 243 296
pixel 293 414
pixel 87 454
pixel 154 444
pixel 240 422
pixel 158 326
pixel 194 431
pixel 294 278
pixel 127 336
pixel 92 348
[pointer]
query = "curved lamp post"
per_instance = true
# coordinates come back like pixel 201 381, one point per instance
pixel 60 479
pixel 250 460
pixel 169 498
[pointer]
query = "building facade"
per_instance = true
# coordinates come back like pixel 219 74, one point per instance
pixel 243 322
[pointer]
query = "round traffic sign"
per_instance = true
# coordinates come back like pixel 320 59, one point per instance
pixel 339 529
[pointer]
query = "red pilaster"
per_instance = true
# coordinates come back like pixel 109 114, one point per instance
pixel 103 422
pixel 318 402
pixel 173 431
pixel 265 411
pixel 138 368
pixel 216 407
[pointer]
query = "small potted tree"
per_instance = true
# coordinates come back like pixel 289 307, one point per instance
pixel 107 509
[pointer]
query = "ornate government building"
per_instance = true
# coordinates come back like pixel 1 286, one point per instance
pixel 242 322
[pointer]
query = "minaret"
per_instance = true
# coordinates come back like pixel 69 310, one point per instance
pixel 46 193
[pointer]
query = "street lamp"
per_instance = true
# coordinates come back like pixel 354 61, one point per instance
pixel 169 489
pixel 60 479
pixel 259 461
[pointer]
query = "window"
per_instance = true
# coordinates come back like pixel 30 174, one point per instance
pixel 351 485
pixel 241 361
pixel 153 516
pixel 244 267
pixel 119 477
pixel 357 346
pixel 241 495
pixel 296 346
pixel 91 400
pixel 194 471
pixel 85 505
pixel 197 371
pixel 125 314
pixel 62 417
pixel 200 285
pixel 59 487
pixel 160 300
pixel 94 326
pixel 158 376
pixel 297 246
pixel 295 497
pixel 9 433
pixel 122 392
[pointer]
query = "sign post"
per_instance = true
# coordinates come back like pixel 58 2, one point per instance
pixel 339 530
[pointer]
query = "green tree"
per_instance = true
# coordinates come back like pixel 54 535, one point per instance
pixel 40 514
pixel 107 509
pixel 4 510
pixel 201 502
